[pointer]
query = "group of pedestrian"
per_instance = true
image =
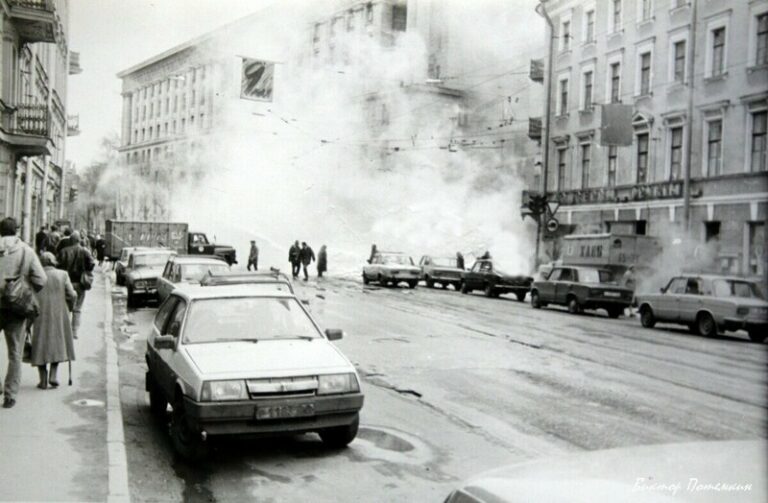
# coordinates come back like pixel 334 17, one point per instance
pixel 301 256
pixel 38 291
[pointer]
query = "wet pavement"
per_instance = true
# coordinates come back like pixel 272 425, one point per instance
pixel 457 384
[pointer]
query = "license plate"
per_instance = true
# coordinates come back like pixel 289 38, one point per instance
pixel 285 411
pixel 612 294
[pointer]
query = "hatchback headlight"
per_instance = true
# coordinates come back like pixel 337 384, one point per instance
pixel 215 391
pixel 337 383
pixel 140 284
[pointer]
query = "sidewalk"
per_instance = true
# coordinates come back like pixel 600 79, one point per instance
pixel 66 444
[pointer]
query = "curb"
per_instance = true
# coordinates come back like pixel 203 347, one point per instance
pixel 118 461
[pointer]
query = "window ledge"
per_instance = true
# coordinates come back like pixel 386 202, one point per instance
pixel 562 116
pixel 716 78
pixel 565 52
pixel 646 96
pixel 588 44
pixel 587 111
pixel 757 68
pixel 646 22
pixel 675 10
pixel 615 34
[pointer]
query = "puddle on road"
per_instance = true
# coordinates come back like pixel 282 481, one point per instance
pixel 384 440
pixel 376 443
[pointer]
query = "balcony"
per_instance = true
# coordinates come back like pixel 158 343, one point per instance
pixel 74 63
pixel 26 128
pixel 73 125
pixel 672 189
pixel 36 20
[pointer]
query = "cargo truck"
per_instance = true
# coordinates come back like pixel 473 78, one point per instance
pixel 615 252
pixel 173 235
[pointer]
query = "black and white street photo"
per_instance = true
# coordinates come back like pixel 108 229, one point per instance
pixel 451 251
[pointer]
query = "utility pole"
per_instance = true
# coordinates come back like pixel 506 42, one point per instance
pixel 541 10
pixel 689 120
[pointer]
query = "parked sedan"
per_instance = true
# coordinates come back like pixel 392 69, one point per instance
pixel 187 269
pixel 488 277
pixel 442 270
pixel 581 288
pixel 247 360
pixel 708 304
pixel 391 268
pixel 122 263
pixel 144 267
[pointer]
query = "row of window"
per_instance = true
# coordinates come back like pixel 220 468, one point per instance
pixel 165 86
pixel 156 109
pixel 757 152
pixel 152 132
pixel 716 60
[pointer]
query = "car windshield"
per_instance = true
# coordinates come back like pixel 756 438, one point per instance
pixel 444 262
pixel 247 318
pixel 732 288
pixel 150 259
pixel 195 272
pixel 396 260
pixel 595 276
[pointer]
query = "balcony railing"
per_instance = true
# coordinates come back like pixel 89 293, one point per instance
pixel 74 63
pixel 671 189
pixel 36 20
pixel 73 125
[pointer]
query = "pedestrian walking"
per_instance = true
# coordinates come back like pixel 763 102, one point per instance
pixel 52 332
pixel 78 262
pixel 101 248
pixel 253 256
pixel 374 251
pixel 54 237
pixel 629 281
pixel 41 240
pixel 65 241
pixel 307 256
pixel 486 255
pixel 20 275
pixel 294 258
pixel 322 261
pixel 459 261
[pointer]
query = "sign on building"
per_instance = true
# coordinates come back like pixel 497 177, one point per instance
pixel 257 80
pixel 616 125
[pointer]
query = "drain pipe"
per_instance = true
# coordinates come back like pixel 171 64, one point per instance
pixel 689 119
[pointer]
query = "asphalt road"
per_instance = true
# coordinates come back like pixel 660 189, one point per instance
pixel 457 384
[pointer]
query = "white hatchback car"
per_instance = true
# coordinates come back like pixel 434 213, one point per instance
pixel 247 360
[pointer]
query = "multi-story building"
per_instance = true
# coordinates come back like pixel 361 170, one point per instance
pixel 36 62
pixel 695 74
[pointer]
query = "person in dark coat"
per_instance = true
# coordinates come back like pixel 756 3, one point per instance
pixel 459 260
pixel 294 257
pixel 76 260
pixel 52 332
pixel 486 255
pixel 322 261
pixel 54 237
pixel 65 241
pixel 307 256
pixel 101 248
pixel 374 251
pixel 41 240
pixel 253 256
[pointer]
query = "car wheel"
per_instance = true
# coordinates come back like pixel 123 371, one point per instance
pixel 706 325
pixel 489 290
pixel 520 296
pixel 413 283
pixel 464 289
pixel 614 312
pixel 756 336
pixel 340 436
pixel 457 286
pixel 365 279
pixel 158 404
pixel 573 305
pixel 535 300
pixel 186 439
pixel 647 319
pixel 429 282
pixel 382 281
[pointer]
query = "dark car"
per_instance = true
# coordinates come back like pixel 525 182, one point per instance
pixel 488 277
pixel 141 274
pixel 581 288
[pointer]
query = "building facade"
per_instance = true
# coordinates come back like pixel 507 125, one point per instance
pixel 36 62
pixel 695 75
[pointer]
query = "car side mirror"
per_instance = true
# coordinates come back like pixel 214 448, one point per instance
pixel 334 334
pixel 663 290
pixel 165 342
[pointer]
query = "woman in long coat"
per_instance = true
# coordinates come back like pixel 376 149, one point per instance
pixel 322 261
pixel 52 332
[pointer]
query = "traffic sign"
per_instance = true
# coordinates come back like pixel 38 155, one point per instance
pixel 552 225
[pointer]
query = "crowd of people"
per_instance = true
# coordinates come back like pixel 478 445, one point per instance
pixel 302 256
pixel 42 292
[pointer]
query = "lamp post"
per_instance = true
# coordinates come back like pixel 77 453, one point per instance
pixel 541 10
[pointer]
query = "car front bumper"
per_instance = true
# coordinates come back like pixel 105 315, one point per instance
pixel 239 417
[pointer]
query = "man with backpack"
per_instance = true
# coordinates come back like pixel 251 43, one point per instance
pixel 21 275
pixel 79 263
